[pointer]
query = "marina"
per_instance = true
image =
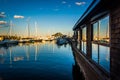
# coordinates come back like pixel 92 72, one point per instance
pixel 35 59
pixel 59 40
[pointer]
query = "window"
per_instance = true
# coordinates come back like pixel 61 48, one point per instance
pixel 83 41
pixel 78 40
pixel 78 36
pixel 100 44
pixel 101 31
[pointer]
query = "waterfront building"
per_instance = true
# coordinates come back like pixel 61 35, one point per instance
pixel 98 43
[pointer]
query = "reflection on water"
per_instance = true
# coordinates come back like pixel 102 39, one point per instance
pixel 37 61
pixel 101 55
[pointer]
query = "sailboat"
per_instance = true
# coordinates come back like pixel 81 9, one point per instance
pixel 26 40
pixel 8 41
pixel 36 36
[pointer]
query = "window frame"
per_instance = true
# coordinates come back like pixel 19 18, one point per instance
pixel 99 44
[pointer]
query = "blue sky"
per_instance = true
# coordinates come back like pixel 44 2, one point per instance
pixel 51 15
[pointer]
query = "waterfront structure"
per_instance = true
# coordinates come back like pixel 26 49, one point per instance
pixel 97 41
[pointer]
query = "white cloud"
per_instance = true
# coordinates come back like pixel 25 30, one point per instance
pixel 2 14
pixel 64 2
pixel 18 17
pixel 3 22
pixel 80 3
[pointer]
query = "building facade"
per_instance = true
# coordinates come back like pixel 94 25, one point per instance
pixel 97 34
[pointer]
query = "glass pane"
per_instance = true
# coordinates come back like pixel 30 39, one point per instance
pixel 78 45
pixel 104 30
pixel 84 40
pixel 84 34
pixel 101 54
pixel 78 36
pixel 105 57
pixel 95 31
pixel 84 47
pixel 95 52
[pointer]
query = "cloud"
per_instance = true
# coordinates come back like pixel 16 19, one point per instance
pixel 64 2
pixel 18 17
pixel 3 22
pixel 2 14
pixel 80 3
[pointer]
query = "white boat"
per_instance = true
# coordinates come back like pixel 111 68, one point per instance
pixel 4 42
pixel 24 41
pixel 10 41
pixel 61 41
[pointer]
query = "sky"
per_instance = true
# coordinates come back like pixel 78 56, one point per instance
pixel 51 16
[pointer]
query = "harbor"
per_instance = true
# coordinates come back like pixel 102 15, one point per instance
pixel 59 40
pixel 36 61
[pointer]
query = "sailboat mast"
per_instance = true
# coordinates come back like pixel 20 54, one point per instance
pixel 98 31
pixel 10 29
pixel 28 30
pixel 36 28
pixel 108 31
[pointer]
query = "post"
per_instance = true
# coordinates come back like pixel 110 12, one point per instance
pixel 89 40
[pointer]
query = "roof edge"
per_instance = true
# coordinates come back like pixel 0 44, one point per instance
pixel 88 10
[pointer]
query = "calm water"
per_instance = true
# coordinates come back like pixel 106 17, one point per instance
pixel 38 61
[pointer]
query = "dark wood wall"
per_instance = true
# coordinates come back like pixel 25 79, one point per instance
pixel 115 43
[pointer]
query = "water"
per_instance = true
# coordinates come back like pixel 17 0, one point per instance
pixel 38 61
pixel 101 55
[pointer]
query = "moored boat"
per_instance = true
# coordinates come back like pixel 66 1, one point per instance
pixel 61 41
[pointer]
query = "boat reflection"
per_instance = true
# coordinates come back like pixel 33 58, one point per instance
pixel 18 58
pixel 2 55
pixel 25 48
pixel 38 61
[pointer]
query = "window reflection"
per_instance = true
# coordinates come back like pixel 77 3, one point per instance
pixel 101 55
pixel 83 41
pixel 78 40
pixel 100 44
pixel 101 31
